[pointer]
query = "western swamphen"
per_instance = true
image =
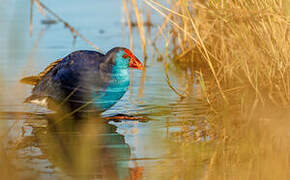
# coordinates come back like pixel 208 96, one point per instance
pixel 84 80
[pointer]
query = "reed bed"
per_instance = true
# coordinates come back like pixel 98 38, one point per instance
pixel 241 51
pixel 242 45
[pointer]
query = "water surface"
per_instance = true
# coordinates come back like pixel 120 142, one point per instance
pixel 88 149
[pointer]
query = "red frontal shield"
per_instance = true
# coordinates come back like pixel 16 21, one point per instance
pixel 134 61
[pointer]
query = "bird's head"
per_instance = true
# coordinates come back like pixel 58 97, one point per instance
pixel 126 57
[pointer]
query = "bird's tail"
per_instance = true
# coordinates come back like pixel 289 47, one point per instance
pixel 31 80
pixel 44 101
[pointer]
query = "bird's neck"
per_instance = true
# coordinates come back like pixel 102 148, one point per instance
pixel 115 89
pixel 120 62
pixel 120 69
pixel 120 73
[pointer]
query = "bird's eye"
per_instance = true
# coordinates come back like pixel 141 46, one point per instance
pixel 125 56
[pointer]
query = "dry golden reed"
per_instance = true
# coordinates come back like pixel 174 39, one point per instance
pixel 241 49
pixel 245 44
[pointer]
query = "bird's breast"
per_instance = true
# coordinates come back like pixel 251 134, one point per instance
pixel 116 88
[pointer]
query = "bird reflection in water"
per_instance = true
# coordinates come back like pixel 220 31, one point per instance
pixel 84 149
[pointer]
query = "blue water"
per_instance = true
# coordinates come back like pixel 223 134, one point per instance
pixel 132 145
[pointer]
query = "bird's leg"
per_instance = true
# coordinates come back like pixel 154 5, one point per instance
pixel 126 117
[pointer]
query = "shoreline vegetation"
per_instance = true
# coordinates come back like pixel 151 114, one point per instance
pixel 241 51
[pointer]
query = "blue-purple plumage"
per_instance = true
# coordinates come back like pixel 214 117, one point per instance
pixel 85 79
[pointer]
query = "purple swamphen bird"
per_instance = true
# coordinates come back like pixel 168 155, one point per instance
pixel 85 81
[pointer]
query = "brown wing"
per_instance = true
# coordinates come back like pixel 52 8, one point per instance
pixel 33 80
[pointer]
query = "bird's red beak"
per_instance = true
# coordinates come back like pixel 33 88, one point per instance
pixel 134 61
